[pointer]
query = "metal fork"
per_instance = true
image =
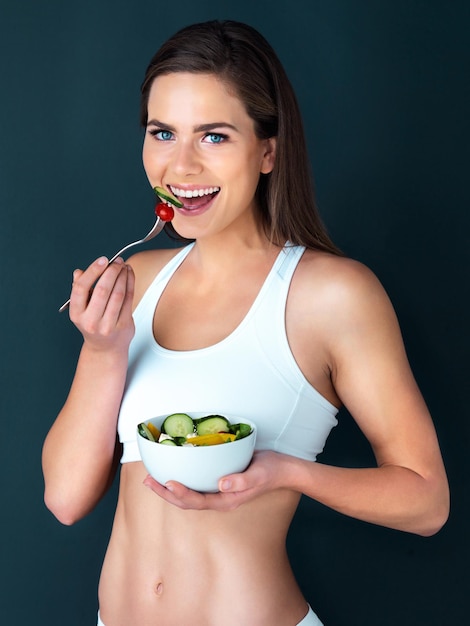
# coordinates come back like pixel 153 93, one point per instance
pixel 156 228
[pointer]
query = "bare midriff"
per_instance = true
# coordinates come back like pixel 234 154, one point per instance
pixel 171 567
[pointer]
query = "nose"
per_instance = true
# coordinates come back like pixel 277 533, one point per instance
pixel 186 160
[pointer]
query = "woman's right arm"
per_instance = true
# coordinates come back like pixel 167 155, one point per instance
pixel 80 453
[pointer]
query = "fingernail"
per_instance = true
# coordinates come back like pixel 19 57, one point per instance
pixel 169 487
pixel 225 485
pixel 102 260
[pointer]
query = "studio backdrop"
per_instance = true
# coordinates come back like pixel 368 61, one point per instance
pixel 383 87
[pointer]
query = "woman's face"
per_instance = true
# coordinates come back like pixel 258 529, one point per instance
pixel 200 144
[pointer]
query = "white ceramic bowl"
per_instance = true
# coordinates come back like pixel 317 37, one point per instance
pixel 198 467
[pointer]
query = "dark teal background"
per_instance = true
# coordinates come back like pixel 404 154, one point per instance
pixel 384 89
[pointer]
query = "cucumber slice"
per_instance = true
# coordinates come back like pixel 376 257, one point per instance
pixel 167 442
pixel 169 197
pixel 178 425
pixel 212 424
pixel 145 432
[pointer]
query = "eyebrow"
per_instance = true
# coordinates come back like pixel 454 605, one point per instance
pixel 201 128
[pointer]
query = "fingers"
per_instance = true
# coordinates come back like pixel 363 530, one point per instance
pixel 111 284
pixel 83 282
pixel 101 298
pixel 110 295
pixel 235 489
pixel 260 475
pixel 127 304
pixel 178 495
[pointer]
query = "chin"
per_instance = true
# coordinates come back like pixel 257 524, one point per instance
pixel 186 232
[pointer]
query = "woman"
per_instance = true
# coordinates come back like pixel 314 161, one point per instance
pixel 261 317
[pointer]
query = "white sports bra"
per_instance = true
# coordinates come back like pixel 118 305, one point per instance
pixel 251 373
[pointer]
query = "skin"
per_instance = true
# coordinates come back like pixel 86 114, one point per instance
pixel 344 336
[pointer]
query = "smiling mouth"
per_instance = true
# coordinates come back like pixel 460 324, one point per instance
pixel 195 198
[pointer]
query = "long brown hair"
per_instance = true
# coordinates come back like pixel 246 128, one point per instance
pixel 242 58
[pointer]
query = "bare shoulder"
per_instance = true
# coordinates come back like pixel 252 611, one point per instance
pixel 146 265
pixel 328 282
pixel 342 303
pixel 333 304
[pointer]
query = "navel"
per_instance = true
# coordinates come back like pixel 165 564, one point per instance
pixel 158 589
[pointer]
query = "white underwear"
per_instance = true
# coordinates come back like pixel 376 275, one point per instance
pixel 309 620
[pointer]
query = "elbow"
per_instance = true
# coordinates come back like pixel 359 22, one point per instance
pixel 437 513
pixel 434 522
pixel 430 529
pixel 65 512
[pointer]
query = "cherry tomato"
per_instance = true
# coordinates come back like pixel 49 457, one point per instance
pixel 164 212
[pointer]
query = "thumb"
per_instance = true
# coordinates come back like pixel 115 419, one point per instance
pixel 233 483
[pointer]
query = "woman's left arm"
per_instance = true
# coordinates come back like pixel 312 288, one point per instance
pixel 370 373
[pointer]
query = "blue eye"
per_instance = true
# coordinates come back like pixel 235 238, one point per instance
pixel 161 135
pixel 215 137
pixel 164 135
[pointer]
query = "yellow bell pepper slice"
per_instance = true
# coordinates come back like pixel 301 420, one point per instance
pixel 210 440
pixel 154 430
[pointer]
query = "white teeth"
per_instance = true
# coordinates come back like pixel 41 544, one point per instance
pixel 193 193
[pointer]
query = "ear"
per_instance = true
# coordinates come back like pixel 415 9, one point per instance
pixel 269 156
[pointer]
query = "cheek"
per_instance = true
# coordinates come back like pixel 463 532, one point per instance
pixel 149 159
pixel 145 156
